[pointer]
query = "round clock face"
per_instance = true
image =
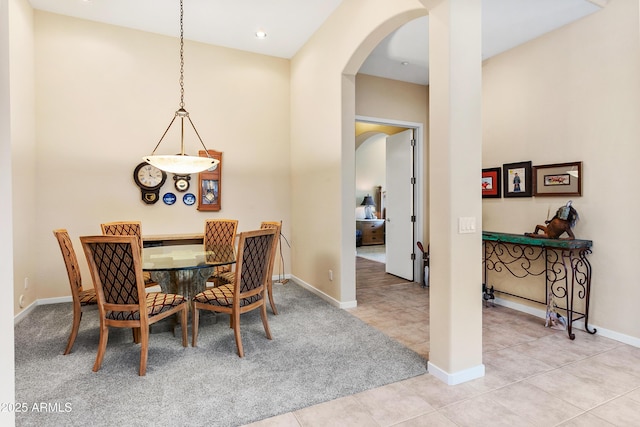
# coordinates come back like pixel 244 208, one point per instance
pixel 181 182
pixel 147 176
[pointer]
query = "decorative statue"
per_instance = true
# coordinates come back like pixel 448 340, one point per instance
pixel 565 219
pixel 488 295
pixel 554 320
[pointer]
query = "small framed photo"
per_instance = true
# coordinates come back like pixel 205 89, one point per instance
pixel 561 179
pixel 517 179
pixel 491 183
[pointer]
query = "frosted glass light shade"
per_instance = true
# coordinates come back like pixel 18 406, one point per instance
pixel 181 164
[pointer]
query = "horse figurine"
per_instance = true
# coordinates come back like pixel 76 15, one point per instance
pixel 565 219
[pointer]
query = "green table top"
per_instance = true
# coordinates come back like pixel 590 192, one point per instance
pixel 521 239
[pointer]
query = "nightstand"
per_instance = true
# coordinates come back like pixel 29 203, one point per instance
pixel 372 231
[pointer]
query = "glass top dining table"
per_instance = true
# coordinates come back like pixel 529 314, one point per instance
pixel 184 269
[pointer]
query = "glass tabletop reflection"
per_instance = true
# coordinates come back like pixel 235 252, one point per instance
pixel 185 257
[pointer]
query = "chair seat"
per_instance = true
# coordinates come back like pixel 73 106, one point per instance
pixel 226 277
pixel 223 296
pixel 88 297
pixel 156 303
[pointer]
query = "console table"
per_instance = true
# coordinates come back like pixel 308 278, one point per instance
pixel 563 262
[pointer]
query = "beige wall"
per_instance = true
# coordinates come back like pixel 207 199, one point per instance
pixel 322 138
pixel 401 101
pixel 370 167
pixel 17 144
pixel 23 149
pixel 574 95
pixel 105 94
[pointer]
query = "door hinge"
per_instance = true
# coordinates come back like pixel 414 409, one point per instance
pixel 413 257
pixel 413 142
pixel 413 218
pixel 413 180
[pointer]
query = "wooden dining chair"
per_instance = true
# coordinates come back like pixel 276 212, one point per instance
pixel 83 299
pixel 247 293
pixel 229 277
pixel 116 268
pixel 276 225
pixel 131 228
pixel 219 232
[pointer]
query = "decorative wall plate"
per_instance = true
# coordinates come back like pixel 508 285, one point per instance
pixel 189 199
pixel 169 198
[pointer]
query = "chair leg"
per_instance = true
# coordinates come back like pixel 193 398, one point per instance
pixel 77 316
pixel 236 332
pixel 136 335
pixel 265 322
pixel 183 324
pixel 270 292
pixel 144 350
pixel 194 328
pixel 102 346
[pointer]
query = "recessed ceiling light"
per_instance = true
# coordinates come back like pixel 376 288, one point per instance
pixel 261 34
pixel 404 63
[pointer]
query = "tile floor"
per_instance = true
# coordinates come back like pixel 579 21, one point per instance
pixel 534 376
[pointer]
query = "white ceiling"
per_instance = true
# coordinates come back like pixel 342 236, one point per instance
pixel 290 23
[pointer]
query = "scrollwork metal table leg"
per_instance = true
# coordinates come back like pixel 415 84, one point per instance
pixel 584 262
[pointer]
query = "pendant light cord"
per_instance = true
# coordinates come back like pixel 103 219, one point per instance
pixel 181 57
pixel 182 113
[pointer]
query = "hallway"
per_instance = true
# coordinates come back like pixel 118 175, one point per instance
pixel 535 376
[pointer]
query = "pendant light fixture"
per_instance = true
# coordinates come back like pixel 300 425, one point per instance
pixel 181 163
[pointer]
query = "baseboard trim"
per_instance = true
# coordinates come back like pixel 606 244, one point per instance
pixel 579 325
pixel 614 335
pixel 457 377
pixel 43 301
pixel 328 298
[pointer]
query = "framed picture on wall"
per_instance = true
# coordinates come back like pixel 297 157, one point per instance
pixel 561 179
pixel 491 179
pixel 210 184
pixel 517 179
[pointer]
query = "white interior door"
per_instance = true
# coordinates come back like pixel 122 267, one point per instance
pixel 399 205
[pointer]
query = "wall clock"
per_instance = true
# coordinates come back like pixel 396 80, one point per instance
pixel 149 178
pixel 181 182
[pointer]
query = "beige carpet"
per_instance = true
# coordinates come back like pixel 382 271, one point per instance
pixel 373 253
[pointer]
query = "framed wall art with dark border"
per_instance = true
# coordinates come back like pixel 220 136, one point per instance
pixel 560 179
pixel 517 179
pixel 491 183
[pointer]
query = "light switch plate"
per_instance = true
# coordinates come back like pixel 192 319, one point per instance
pixel 466 224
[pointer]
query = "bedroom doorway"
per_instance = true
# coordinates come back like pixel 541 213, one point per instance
pixel 372 171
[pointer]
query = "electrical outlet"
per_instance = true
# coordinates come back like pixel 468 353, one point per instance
pixel 331 275
pixel 26 283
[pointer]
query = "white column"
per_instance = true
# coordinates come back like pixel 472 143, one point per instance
pixel 455 163
pixel 7 389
